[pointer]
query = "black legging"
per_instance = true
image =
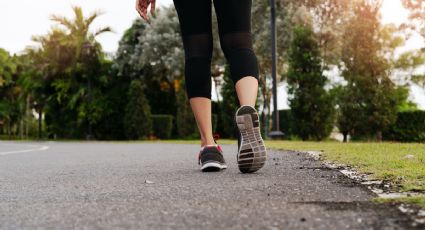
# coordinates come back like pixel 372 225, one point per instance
pixel 234 22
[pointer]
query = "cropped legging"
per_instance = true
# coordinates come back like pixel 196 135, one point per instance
pixel 234 23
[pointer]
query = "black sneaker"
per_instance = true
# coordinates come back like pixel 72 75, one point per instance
pixel 211 158
pixel 251 149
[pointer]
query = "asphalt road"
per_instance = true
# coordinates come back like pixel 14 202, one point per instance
pixel 102 185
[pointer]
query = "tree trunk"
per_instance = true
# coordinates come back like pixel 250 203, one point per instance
pixel 379 136
pixel 40 116
pixel 9 131
pixel 27 117
pixel 345 134
pixel 21 128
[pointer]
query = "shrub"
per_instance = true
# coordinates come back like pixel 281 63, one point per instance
pixel 138 123
pixel 229 105
pixel 312 106
pixel 162 125
pixel 409 127
pixel 185 120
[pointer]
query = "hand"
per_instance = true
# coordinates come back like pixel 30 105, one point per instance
pixel 142 8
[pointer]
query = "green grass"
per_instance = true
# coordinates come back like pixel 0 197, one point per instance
pixel 416 200
pixel 384 161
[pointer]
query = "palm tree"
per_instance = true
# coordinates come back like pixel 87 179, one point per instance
pixel 68 59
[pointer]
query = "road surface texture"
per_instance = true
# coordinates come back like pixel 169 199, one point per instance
pixel 104 185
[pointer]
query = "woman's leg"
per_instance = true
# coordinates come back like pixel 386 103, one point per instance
pixel 234 20
pixel 246 89
pixel 201 108
pixel 195 24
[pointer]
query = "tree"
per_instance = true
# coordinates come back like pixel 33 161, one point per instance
pixel 72 68
pixel 417 23
pixel 417 15
pixel 138 121
pixel 312 106
pixel 9 91
pixel 369 102
pixel 154 54
pixel 229 105
pixel 185 120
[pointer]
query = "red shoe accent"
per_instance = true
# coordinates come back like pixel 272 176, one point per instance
pixel 216 136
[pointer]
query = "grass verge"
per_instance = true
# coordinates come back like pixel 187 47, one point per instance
pixel 399 163
pixel 416 200
pixel 383 161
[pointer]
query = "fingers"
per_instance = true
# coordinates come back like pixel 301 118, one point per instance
pixel 153 3
pixel 141 7
pixel 145 9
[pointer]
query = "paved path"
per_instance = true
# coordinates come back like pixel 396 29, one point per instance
pixel 101 185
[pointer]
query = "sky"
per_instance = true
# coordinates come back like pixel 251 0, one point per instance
pixel 20 19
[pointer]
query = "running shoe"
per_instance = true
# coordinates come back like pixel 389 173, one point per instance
pixel 251 149
pixel 211 158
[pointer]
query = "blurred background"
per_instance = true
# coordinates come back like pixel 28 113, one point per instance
pixel 347 70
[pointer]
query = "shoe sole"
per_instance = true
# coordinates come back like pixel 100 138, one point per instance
pixel 213 167
pixel 252 153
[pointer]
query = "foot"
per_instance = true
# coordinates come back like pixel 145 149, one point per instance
pixel 211 158
pixel 251 149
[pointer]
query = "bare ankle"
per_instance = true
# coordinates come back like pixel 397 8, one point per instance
pixel 207 142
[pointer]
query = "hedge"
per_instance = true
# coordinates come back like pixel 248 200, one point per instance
pixel 162 125
pixel 409 127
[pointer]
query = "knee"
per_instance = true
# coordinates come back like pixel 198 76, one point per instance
pixel 238 50
pixel 198 54
pixel 242 62
pixel 198 77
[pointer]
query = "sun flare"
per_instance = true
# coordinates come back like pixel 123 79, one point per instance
pixel 393 12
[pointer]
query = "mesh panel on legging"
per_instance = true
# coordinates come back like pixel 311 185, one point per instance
pixel 198 54
pixel 237 48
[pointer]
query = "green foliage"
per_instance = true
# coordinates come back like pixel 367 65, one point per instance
pixel 312 106
pixel 70 76
pixel 370 100
pixel 138 121
pixel 154 54
pixel 417 15
pixel 185 120
pixel 229 105
pixel 162 125
pixel 409 127
pixel 381 161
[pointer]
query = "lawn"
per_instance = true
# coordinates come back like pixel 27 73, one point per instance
pixel 384 161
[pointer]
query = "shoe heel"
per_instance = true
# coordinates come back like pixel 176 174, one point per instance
pixel 252 153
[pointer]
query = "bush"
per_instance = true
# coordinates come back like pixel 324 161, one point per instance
pixel 185 120
pixel 312 106
pixel 229 105
pixel 162 125
pixel 137 122
pixel 409 127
